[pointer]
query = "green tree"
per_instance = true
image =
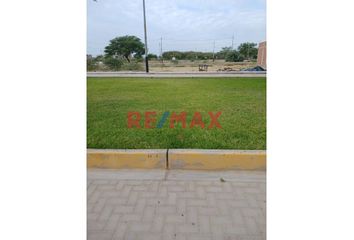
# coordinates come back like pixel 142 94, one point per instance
pixel 126 46
pixel 114 63
pixel 152 56
pixel 223 52
pixel 248 50
pixel 91 64
pixel 234 56
pixel 99 58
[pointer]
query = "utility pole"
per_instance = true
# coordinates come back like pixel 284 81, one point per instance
pixel 161 50
pixel 232 45
pixel 214 51
pixel 146 47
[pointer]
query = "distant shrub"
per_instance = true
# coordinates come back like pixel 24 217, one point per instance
pixel 234 56
pixel 91 64
pixel 138 58
pixel 132 66
pixel 113 63
pixel 151 56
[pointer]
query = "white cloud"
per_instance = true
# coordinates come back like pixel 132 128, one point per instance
pixel 184 24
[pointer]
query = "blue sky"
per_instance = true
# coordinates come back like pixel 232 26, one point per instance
pixel 185 25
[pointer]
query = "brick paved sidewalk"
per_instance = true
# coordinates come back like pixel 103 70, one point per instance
pixel 161 205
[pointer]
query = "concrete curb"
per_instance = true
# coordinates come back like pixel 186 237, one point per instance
pixel 177 74
pixel 195 159
pixel 120 158
pixel 187 159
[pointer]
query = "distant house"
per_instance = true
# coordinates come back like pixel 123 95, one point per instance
pixel 262 55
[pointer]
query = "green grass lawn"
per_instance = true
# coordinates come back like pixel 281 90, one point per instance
pixel 241 100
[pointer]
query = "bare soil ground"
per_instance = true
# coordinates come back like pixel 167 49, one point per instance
pixel 193 66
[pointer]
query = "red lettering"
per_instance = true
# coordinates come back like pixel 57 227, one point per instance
pixel 178 118
pixel 197 120
pixel 133 121
pixel 148 119
pixel 214 120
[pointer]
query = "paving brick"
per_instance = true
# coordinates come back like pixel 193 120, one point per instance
pixel 197 202
pixel 165 209
pixel 130 218
pixel 175 188
pixel 105 213
pixel 187 228
pixel 148 214
pixel 99 205
pixel 152 236
pixel 140 226
pixel 169 232
pixel 92 216
pixel 181 206
pixel 192 214
pixel 176 209
pixel 140 206
pixel 133 197
pixel 112 222
pixel 179 218
pixel 204 225
pixel 120 231
pixel 199 236
pixel 106 235
pixel 208 211
pixel 115 201
pixel 157 224
pixel 123 209
pixel 93 225
pixel 186 194
pixel 172 198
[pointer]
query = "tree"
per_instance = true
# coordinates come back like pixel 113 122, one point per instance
pixel 91 64
pixel 189 55
pixel 152 56
pixel 234 56
pixel 248 50
pixel 223 52
pixel 125 46
pixel 114 63
pixel 99 58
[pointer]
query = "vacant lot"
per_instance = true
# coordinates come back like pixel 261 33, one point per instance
pixel 180 66
pixel 193 66
pixel 242 102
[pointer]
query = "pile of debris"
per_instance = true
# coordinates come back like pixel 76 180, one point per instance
pixel 226 69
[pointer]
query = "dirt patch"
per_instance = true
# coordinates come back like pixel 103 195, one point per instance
pixel 193 66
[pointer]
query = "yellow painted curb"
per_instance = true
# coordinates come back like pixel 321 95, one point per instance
pixel 192 159
pixel 117 159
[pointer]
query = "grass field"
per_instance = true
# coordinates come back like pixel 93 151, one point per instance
pixel 242 102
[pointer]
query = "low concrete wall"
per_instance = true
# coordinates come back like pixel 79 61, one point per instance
pixel 120 159
pixel 217 159
pixel 189 159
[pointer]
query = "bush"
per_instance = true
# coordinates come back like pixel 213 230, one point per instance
pixel 151 56
pixel 133 66
pixel 91 65
pixel 113 63
pixel 248 50
pixel 234 56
